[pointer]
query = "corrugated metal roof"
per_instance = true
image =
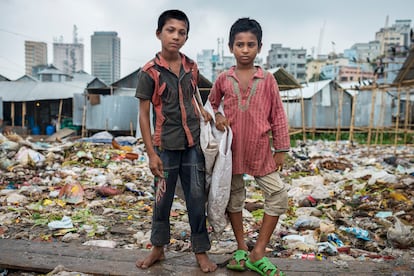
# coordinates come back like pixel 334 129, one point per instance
pixel 284 80
pixel 307 91
pixel 35 91
pixel 406 74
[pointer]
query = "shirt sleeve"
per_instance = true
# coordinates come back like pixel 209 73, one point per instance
pixel 145 86
pixel 216 94
pixel 278 119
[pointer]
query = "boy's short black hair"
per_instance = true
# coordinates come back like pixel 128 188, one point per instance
pixel 172 14
pixel 245 24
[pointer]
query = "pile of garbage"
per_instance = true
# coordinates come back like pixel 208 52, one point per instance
pixel 346 201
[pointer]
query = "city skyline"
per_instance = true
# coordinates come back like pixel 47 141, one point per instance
pixel 318 26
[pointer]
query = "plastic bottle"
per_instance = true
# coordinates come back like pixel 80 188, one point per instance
pixel 358 232
pixel 333 238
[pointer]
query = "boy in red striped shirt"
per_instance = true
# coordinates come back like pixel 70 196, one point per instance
pixel 253 109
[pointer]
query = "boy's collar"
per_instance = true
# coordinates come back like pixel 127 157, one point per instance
pixel 185 62
pixel 259 73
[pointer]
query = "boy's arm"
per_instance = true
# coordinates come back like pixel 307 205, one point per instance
pixel 279 123
pixel 207 117
pixel 155 162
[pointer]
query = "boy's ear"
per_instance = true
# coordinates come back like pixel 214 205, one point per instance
pixel 157 34
pixel 260 48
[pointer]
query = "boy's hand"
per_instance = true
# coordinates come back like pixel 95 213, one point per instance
pixel 156 166
pixel 221 122
pixel 279 158
pixel 207 117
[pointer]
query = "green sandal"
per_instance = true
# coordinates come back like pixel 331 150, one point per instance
pixel 263 266
pixel 239 255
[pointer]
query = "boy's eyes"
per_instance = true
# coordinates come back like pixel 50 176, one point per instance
pixel 181 32
pixel 249 44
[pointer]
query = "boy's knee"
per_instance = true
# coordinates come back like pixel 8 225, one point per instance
pixel 276 204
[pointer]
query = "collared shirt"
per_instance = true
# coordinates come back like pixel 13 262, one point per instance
pixel 252 114
pixel 177 119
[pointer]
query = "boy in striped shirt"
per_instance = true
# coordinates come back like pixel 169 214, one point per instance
pixel 253 109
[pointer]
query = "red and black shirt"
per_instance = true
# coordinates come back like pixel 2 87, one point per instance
pixel 177 119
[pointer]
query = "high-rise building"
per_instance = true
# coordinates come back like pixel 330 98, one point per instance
pixel 68 57
pixel 35 54
pixel 292 60
pixel 106 56
pixel 396 35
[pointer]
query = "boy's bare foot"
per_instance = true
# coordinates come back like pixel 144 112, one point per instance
pixel 204 262
pixel 157 254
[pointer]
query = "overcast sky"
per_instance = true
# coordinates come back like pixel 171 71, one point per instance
pixel 294 23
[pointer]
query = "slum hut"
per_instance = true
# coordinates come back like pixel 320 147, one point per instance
pixel 30 106
pixel 372 106
pixel 318 105
pixel 101 108
pixel 404 95
pixel 285 80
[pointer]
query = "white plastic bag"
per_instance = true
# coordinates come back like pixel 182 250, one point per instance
pixel 210 147
pixel 219 191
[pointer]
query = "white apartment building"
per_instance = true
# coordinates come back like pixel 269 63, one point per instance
pixel 292 60
pixel 35 53
pixel 68 57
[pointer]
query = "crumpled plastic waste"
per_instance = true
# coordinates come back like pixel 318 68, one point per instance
pixel 64 223
pixel 357 232
pixel 400 235
pixel 101 243
pixel 72 193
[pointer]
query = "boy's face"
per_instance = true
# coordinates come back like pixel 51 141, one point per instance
pixel 173 35
pixel 245 48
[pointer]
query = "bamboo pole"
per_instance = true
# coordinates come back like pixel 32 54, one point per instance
pixel 12 113
pixel 407 106
pixel 131 128
pixel 84 118
pixel 302 105
pixel 380 123
pixel 371 116
pixel 59 114
pixel 23 114
pixel 353 111
pixel 397 121
pixel 338 130
pixel 314 111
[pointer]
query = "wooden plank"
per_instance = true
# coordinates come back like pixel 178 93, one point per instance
pixel 43 257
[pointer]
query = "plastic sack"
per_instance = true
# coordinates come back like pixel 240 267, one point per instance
pixel 401 235
pixel 219 191
pixel 209 146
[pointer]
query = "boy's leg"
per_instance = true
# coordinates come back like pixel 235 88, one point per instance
pixel 276 203
pixel 164 195
pixel 235 213
pixel 235 209
pixel 192 176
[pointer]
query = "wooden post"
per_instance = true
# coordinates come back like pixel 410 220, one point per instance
pixel 12 113
pixel 314 112
pixel 371 116
pixel 407 108
pixel 397 121
pixel 131 128
pixel 84 118
pixel 353 111
pixel 59 114
pixel 380 123
pixel 338 129
pixel 23 113
pixel 302 105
